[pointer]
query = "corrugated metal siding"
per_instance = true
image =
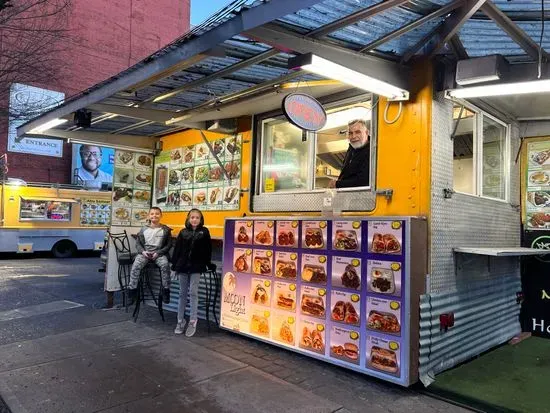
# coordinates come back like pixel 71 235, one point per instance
pixel 486 315
pixel 482 291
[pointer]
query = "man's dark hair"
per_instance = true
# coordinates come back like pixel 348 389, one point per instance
pixel 156 208
pixel 87 146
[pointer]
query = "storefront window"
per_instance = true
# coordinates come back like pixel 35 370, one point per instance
pixel 45 210
pixel 494 149
pixel 464 122
pixel 290 163
pixel 479 153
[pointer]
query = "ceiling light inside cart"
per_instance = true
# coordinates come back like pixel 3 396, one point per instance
pixel 501 89
pixel 48 125
pixel 331 70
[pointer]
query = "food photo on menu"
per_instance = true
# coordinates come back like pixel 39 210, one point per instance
pixel 233 147
pixel 215 196
pixel 124 177
pixel 346 308
pixel 539 178
pixel 287 234
pixel 383 355
pixel 175 156
pixel 199 197
pixel 539 199
pixel 284 328
pixel 346 235
pixel 383 315
pixel 312 336
pixel 243 232
pixel 242 260
pixel 161 184
pixel 187 175
pixel 344 344
pixel 232 170
pixel 261 292
pixel 260 322
pixel 262 262
pixel 314 234
pixel 201 174
pixel 231 196
pixel 144 162
pixel 201 152
pixel 188 154
pixel 313 301
pixel 263 232
pixel 174 178
pixel 346 272
pixel 124 159
pixel 218 146
pixel 385 237
pixel 285 296
pixel 314 268
pixel 384 277
pixel 143 179
pixel 186 197
pixel 286 264
pixel 538 220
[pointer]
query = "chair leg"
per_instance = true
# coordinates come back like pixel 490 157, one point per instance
pixel 138 300
pixel 217 286
pixel 208 282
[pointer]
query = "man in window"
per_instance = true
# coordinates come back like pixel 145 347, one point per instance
pixel 89 172
pixel 356 167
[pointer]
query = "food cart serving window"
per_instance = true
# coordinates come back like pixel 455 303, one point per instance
pixel 45 209
pixel 290 163
pixel 481 147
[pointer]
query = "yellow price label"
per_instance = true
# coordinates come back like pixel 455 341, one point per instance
pixel 355 262
pixel 267 283
pixel 269 185
pixel 396 224
pixel 269 253
pixel 249 224
pixel 322 224
pixel 322 259
pixel 322 292
pixel 290 320
pixel 294 224
pixel 320 327
pixel 354 335
pixel 355 298
pixel 293 256
pixel 279 273
pixel 396 266
pixel 394 305
pixel 394 346
pixel 266 314
pixel 356 225
pixel 292 287
pixel 270 224
pixel 248 252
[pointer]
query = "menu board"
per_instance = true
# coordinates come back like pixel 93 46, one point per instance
pixel 132 179
pixel 95 213
pixel 537 202
pixel 331 289
pixel 191 177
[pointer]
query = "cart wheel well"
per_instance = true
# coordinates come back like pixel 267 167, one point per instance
pixel 64 248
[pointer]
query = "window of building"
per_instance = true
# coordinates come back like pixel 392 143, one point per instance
pixel 480 151
pixel 291 163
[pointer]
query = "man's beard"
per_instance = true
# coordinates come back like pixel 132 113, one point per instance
pixel 358 145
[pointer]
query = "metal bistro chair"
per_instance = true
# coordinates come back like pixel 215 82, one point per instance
pixel 212 281
pixel 145 281
pixel 125 259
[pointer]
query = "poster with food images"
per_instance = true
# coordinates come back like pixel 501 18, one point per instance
pixel 344 344
pixel 345 307
pixel 191 176
pixel 242 260
pixel 346 272
pixel 383 354
pixel 314 268
pixel 385 237
pixel 311 335
pixel 284 296
pixel 537 196
pixel 384 277
pixel 139 216
pixel 264 232
pixel 287 234
pixel 384 316
pixel 243 232
pixel 233 147
pixel 236 314
pixel 143 163
pixel 262 262
pixel 123 177
pixel 121 216
pixel 286 265
pixel 260 293
pixel 283 328
pixel 314 234
pixel 313 301
pixel 346 235
pixel 95 213
pixel 260 322
pixel 124 159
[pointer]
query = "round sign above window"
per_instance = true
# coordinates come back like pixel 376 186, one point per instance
pixel 304 111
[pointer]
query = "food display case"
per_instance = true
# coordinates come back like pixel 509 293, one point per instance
pixel 342 290
pixel 45 209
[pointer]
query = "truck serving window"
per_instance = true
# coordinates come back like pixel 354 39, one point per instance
pixel 45 210
pixel 290 163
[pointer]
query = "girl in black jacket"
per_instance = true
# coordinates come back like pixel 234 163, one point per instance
pixel 192 254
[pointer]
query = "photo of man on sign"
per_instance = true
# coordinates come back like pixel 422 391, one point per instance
pixel 94 166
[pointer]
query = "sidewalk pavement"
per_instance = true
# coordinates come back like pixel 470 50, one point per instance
pixel 106 363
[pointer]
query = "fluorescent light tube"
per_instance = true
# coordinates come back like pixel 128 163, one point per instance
pixel 501 89
pixel 48 125
pixel 331 70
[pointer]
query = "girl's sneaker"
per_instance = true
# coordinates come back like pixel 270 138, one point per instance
pixel 180 327
pixel 191 329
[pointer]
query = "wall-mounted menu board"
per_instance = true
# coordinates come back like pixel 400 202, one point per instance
pixel 537 202
pixel 190 177
pixel 337 290
pixel 132 180
pixel 95 212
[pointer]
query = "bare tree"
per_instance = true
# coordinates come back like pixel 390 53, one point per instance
pixel 33 38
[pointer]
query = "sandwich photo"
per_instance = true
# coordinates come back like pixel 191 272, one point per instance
pixel 382 321
pixel 314 274
pixel 313 305
pixel 383 359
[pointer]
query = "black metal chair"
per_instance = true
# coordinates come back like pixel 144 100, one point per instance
pixel 125 259
pixel 212 281
pixel 145 282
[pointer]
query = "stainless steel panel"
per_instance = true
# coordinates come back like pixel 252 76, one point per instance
pixel 302 202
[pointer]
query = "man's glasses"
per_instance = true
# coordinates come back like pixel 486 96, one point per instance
pixel 88 154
